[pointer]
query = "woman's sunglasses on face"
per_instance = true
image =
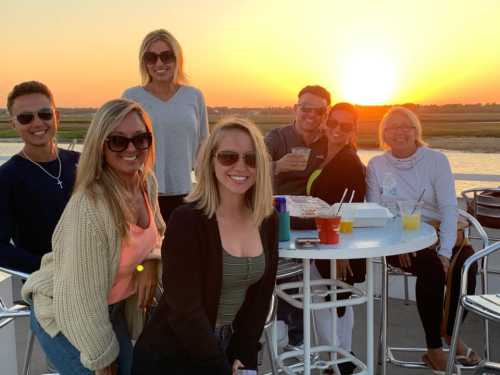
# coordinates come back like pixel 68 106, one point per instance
pixel 166 57
pixel 228 158
pixel 44 114
pixel 119 143
pixel 345 127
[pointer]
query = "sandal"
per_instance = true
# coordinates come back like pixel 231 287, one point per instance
pixel 432 366
pixel 469 359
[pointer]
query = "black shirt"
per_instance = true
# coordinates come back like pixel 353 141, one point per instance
pixel 31 203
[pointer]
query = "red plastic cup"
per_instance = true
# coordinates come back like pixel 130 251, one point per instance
pixel 328 229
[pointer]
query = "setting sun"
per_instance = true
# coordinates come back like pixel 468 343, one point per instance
pixel 368 77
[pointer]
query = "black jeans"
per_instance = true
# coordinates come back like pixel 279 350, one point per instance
pixel 429 289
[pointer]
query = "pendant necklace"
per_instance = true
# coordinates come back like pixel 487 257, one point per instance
pixel 58 178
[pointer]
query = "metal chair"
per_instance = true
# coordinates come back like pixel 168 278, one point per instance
pixel 387 353
pixel 484 205
pixel 8 314
pixel 486 306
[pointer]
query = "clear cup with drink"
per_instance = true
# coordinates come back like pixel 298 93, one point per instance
pixel 348 215
pixel 304 152
pixel 410 211
pixel 328 225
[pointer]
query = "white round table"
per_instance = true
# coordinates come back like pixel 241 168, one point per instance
pixel 361 243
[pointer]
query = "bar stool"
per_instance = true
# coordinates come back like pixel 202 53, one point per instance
pixel 387 353
pixel 286 268
pixel 8 314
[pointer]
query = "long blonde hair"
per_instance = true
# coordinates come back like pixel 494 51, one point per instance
pixel 165 36
pixel 93 172
pixel 259 197
pixel 412 118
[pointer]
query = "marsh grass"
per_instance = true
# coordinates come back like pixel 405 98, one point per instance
pixel 435 126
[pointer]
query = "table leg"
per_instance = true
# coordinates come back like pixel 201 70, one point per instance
pixel 369 316
pixel 333 310
pixel 307 316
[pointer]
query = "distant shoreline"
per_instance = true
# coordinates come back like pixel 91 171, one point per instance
pixel 466 144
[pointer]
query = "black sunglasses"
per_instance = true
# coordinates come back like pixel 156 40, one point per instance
pixel 318 111
pixel 166 57
pixel 345 127
pixel 44 114
pixel 228 158
pixel 119 143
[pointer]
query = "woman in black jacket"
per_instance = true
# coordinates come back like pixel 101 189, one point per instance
pixel 341 170
pixel 219 263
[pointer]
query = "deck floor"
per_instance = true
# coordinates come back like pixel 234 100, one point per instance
pixel 404 330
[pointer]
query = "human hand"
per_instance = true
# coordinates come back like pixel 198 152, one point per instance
pixel 146 280
pixel 405 259
pixel 343 269
pixel 236 365
pixel 446 264
pixel 291 162
pixel 112 369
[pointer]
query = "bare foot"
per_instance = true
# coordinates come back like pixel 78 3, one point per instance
pixel 437 359
pixel 465 355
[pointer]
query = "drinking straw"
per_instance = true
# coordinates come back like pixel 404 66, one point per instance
pixel 418 201
pixel 352 196
pixel 341 201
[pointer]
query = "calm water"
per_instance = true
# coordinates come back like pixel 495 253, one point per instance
pixel 461 162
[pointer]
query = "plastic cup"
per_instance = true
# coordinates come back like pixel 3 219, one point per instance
pixel 347 218
pixel 302 151
pixel 328 229
pixel 410 214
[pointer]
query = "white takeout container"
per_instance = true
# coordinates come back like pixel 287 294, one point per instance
pixel 368 214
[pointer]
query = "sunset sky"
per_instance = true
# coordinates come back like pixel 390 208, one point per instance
pixel 260 52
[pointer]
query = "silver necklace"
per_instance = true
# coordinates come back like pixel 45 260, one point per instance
pixel 58 178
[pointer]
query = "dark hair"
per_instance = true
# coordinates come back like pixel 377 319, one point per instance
pixel 27 88
pixel 317 91
pixel 347 107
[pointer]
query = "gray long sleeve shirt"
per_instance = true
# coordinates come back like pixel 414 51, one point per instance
pixel 180 124
pixel 426 169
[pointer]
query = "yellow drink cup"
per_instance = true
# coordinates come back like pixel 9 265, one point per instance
pixel 410 214
pixel 348 216
pixel 411 222
pixel 346 226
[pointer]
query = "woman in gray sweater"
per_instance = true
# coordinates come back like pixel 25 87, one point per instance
pixel 178 113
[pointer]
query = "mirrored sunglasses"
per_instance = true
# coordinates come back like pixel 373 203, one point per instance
pixel 166 57
pixel 228 158
pixel 345 127
pixel 119 143
pixel 44 114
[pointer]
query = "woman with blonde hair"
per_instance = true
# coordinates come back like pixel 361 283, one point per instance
pixel 409 170
pixel 87 298
pixel 178 112
pixel 219 263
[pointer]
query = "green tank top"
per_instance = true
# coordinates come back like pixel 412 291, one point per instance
pixel 239 273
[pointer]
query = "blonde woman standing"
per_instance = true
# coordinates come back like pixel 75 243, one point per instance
pixel 219 260
pixel 87 293
pixel 178 113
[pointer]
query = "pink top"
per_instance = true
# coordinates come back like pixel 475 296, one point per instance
pixel 134 251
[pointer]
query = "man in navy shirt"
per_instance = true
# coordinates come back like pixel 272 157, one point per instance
pixel 36 183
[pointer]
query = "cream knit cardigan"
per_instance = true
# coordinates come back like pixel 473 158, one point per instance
pixel 70 290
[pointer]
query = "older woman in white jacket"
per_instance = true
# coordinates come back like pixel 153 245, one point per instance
pixel 413 169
